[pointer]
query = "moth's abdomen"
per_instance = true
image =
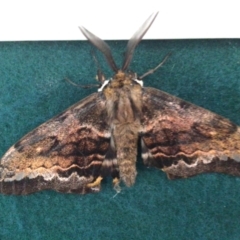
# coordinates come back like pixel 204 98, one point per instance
pixel 126 138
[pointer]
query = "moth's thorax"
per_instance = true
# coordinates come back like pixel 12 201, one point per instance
pixel 123 95
pixel 123 79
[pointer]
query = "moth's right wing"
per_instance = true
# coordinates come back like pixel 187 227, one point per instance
pixel 183 139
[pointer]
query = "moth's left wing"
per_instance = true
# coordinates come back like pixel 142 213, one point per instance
pixel 69 153
pixel 184 140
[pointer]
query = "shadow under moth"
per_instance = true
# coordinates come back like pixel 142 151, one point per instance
pixel 98 136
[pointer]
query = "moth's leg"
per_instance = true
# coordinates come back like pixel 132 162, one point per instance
pixel 151 71
pixel 116 184
pixel 100 75
pixel 96 183
pixel 110 166
pixel 146 154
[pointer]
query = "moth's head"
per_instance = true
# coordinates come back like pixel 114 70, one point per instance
pixel 120 73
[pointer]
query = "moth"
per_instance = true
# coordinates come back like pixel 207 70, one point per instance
pixel 98 137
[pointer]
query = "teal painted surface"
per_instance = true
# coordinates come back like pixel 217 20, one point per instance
pixel 33 89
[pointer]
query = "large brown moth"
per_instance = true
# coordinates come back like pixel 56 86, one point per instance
pixel 98 137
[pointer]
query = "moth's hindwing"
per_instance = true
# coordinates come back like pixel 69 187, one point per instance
pixel 184 140
pixel 65 154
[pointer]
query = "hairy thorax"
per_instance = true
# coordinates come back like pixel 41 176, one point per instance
pixel 124 108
